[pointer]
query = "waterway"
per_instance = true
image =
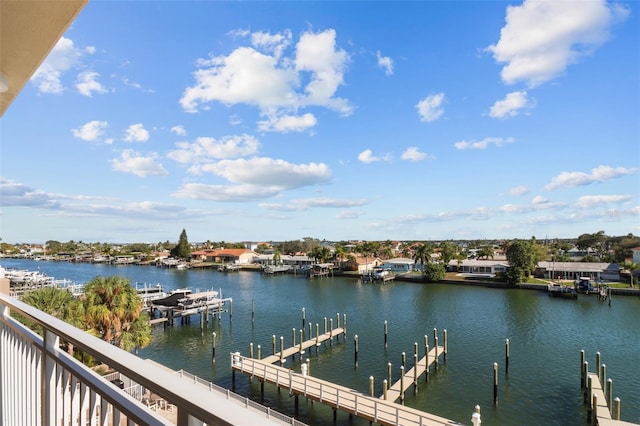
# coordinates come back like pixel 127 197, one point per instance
pixel 546 336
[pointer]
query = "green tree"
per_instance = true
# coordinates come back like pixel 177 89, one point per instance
pixel 183 249
pixel 114 312
pixel 434 272
pixel 521 257
pixel 58 303
pixel 486 252
pixel 423 253
pixel 448 252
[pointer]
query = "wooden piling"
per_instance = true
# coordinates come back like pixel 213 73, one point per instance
pixel 415 372
pixel 325 325
pixel 506 356
pixel 445 345
pixel 371 386
pixel 386 330
pixel 355 342
pixel 435 346
pixel 253 310
pixel 594 409
pixel 586 380
pixel 273 344
pixel 293 336
pixel 385 386
pixel 582 373
pixel 230 309
pixel 616 409
pixel 495 383
pixel 281 350
pixel 404 360
pixel 301 352
pixel 344 325
pixel 259 352
pixel 609 393
pixel 603 374
pixel 426 354
pixel 251 350
pixel 389 373
pixel 598 359
pixel 303 317
pixel 402 384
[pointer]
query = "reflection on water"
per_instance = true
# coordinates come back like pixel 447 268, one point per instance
pixel 546 336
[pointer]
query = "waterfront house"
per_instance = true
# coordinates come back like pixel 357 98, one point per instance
pixel 478 267
pixel 635 255
pixel 238 256
pixel 361 264
pixel 400 265
pixel 571 270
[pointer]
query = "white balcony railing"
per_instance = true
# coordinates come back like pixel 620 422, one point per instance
pixel 40 384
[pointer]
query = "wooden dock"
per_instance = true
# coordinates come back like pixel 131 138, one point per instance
pixel 302 346
pixel 601 412
pixel 336 396
pixel 411 377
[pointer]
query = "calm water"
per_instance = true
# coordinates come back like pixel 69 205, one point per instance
pixel 546 336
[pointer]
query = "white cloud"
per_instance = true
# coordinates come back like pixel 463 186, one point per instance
pixel 367 157
pixel 137 164
pixel 136 133
pixel 511 105
pixel 206 149
pixel 538 200
pixel 178 130
pixel 288 123
pixel 317 54
pixel 273 43
pixel 201 191
pixel 484 143
pixel 541 38
pixel 385 62
pixel 413 154
pixel 63 57
pixel 348 214
pixel 519 190
pixel 599 174
pixel 90 131
pixel 263 76
pixel 307 203
pixel 588 201
pixel 430 108
pixel 267 172
pixel 87 84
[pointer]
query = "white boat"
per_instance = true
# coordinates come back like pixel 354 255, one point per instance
pixel 563 291
pixel 274 269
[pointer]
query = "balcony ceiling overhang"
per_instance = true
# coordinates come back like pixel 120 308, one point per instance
pixel 29 29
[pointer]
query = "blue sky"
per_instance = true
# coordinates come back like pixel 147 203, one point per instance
pixel 408 120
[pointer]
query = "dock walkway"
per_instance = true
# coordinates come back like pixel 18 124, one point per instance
pixel 336 396
pixel 411 377
pixel 300 348
pixel 601 412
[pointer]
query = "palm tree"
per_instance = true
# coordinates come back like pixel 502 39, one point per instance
pixel 423 253
pixel 58 303
pixel 114 311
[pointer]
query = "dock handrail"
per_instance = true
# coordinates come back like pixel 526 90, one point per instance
pixel 337 396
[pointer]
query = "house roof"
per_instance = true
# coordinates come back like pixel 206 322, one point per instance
pixel 221 252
